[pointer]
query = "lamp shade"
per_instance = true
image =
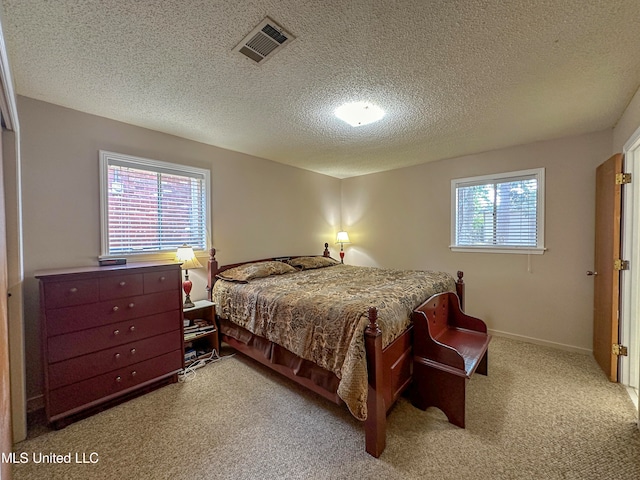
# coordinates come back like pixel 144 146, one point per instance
pixel 187 257
pixel 342 237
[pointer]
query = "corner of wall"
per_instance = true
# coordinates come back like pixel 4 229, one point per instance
pixel 628 123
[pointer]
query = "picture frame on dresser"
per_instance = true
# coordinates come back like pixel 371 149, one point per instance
pixel 108 334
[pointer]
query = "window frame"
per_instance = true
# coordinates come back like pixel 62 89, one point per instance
pixel 539 249
pixel 158 165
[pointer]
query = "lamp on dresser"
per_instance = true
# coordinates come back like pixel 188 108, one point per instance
pixel 189 261
pixel 342 238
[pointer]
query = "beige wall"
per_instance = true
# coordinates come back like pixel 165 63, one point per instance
pixel 402 219
pixel 259 208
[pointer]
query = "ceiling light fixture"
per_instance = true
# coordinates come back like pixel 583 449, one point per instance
pixel 357 114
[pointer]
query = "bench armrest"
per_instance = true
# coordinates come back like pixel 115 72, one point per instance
pixel 435 323
pixel 459 319
pixel 425 346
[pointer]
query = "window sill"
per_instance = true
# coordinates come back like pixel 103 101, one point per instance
pixel 516 250
pixel 153 256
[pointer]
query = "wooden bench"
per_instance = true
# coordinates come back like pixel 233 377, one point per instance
pixel 448 347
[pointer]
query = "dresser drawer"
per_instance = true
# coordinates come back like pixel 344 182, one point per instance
pixel 120 286
pixel 87 366
pixel 71 319
pixel 162 281
pixel 105 386
pixel 72 292
pixel 62 347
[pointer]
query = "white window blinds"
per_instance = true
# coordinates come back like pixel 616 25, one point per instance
pixel 499 211
pixel 151 206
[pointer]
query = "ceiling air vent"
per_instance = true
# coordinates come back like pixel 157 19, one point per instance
pixel 267 38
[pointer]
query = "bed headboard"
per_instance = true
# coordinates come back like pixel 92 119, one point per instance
pixel 214 269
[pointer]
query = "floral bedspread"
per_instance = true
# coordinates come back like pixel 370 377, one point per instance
pixel 321 314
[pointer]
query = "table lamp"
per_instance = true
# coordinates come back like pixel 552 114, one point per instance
pixel 342 238
pixel 188 258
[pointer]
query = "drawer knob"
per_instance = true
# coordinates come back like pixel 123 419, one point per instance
pixel 122 284
pixel 133 351
pixel 162 279
pixel 131 305
pixel 115 309
pixel 73 290
pixel 116 332
pixel 118 379
pixel 134 373
pixel 132 328
pixel 117 355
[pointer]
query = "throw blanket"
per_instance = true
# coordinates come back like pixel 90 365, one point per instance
pixel 321 314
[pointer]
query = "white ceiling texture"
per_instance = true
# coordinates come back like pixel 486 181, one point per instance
pixel 454 77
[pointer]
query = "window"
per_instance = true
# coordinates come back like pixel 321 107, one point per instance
pixel 148 206
pixel 501 213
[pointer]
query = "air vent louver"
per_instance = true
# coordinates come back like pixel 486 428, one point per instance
pixel 264 40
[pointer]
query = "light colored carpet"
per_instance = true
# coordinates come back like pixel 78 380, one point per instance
pixel 540 414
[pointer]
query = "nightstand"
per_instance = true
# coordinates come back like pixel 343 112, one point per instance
pixel 201 335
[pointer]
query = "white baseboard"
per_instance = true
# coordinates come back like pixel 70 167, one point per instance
pixel 633 393
pixel 537 341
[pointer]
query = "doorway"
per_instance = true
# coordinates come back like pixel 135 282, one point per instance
pixel 630 279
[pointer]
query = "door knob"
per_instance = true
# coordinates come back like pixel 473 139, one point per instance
pixel 590 273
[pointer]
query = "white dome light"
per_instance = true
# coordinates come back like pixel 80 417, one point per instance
pixel 357 114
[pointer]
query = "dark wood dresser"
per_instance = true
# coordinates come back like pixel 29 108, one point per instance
pixel 108 332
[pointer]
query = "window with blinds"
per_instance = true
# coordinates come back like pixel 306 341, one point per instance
pixel 499 213
pixel 150 206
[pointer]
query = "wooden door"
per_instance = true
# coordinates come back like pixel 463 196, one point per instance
pixel 606 294
pixel 5 406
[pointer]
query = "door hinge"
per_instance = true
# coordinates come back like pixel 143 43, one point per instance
pixel 620 350
pixel 621 264
pixel 623 178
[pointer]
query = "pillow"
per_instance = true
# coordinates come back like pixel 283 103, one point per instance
pixel 307 263
pixel 249 271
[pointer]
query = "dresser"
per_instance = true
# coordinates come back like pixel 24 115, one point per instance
pixel 108 333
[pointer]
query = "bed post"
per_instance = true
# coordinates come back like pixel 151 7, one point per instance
pixel 375 426
pixel 460 289
pixel 212 270
pixel 326 251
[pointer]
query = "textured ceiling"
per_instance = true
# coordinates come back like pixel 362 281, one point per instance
pixel 455 77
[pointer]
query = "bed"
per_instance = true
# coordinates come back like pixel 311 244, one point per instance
pixel 283 312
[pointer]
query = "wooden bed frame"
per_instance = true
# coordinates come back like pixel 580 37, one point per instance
pixel 390 369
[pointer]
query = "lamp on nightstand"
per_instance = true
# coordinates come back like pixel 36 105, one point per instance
pixel 342 238
pixel 188 258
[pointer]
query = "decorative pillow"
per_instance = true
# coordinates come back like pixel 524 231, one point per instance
pixel 307 263
pixel 249 271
